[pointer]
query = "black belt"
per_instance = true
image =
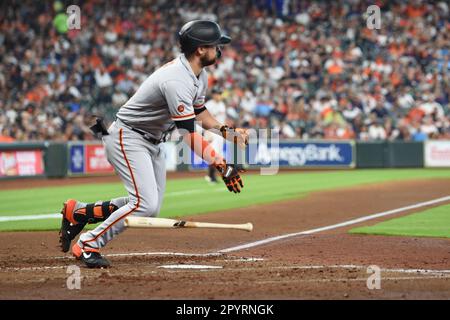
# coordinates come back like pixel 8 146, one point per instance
pixel 144 134
pixel 147 136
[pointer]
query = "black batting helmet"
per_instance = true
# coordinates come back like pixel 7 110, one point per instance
pixel 201 33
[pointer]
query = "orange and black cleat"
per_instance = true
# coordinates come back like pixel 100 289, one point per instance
pixel 90 256
pixel 69 227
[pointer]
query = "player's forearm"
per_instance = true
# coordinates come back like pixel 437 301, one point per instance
pixel 202 148
pixel 208 122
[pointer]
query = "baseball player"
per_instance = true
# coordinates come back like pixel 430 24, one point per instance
pixel 172 97
pixel 216 107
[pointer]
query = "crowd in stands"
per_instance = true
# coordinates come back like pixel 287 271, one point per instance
pixel 312 69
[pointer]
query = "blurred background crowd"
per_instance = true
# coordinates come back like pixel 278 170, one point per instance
pixel 311 69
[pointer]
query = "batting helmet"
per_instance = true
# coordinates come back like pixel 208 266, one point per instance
pixel 201 33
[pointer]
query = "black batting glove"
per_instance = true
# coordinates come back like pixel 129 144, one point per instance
pixel 231 177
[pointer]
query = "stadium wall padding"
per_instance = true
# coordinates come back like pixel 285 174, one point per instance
pixel 405 154
pixel 392 154
pixel 56 160
pixel 370 154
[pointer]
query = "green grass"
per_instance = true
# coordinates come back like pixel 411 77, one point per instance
pixel 202 198
pixel 433 222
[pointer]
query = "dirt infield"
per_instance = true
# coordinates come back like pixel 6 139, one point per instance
pixel 40 182
pixel 330 264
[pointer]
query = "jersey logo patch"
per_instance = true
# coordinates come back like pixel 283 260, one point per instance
pixel 180 108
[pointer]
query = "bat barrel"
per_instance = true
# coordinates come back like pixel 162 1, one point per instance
pixel 245 226
pixel 146 222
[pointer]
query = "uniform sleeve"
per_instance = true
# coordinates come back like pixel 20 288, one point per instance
pixel 179 98
pixel 199 103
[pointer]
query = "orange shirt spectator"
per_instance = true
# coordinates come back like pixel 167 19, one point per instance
pixel 395 79
pixel 415 11
pixel 95 60
pixel 6 139
pixel 416 114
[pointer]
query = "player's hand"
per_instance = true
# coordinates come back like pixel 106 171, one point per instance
pixel 231 177
pixel 239 136
pixel 242 139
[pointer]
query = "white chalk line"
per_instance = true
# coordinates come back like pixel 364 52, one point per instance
pixel 58 215
pixel 438 273
pixel 215 254
pixel 423 272
pixel 350 280
pixel 142 254
pixel 31 217
pixel 335 226
pixel 32 268
pixel 133 254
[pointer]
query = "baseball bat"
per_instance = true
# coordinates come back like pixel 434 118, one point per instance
pixel 145 222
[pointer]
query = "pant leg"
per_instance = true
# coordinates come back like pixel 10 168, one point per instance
pixel 159 167
pixel 131 157
pixel 120 202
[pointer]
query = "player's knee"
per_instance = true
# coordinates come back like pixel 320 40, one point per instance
pixel 148 206
pixel 133 203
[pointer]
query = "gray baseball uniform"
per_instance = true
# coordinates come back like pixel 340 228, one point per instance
pixel 170 94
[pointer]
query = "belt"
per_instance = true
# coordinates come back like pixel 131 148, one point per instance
pixel 144 134
pixel 147 136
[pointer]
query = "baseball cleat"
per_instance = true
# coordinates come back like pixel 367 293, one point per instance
pixel 69 227
pixel 94 260
pixel 91 257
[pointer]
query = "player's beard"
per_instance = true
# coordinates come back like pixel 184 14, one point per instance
pixel 205 61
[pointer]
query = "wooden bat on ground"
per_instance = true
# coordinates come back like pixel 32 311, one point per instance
pixel 145 222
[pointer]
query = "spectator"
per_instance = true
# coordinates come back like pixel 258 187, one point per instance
pixel 428 127
pixel 377 131
pixel 313 70
pixel 380 111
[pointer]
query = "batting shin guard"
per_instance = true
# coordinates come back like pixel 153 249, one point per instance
pixel 94 212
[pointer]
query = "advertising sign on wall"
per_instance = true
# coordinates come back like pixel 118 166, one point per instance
pixel 21 163
pixel 296 154
pixel 96 161
pixel 437 153
pixel 76 158
pixel 88 158
pixel 303 154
